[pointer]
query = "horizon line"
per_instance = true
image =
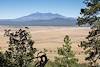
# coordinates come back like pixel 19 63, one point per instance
pixel 38 12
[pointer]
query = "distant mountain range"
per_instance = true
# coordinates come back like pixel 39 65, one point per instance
pixel 40 19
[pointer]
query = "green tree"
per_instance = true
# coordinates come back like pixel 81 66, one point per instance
pixel 4 62
pixel 90 15
pixel 20 51
pixel 66 56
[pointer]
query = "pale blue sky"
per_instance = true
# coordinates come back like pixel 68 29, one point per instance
pixel 10 9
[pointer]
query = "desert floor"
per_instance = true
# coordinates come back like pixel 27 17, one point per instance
pixel 51 38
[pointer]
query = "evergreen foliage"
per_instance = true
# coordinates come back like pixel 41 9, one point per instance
pixel 90 15
pixel 66 56
pixel 20 51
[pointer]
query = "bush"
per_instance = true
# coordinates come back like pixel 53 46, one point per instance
pixel 20 52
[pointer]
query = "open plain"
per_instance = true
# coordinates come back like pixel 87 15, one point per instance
pixel 51 38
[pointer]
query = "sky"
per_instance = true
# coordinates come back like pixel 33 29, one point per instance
pixel 10 9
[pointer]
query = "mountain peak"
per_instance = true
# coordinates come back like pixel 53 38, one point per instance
pixel 41 16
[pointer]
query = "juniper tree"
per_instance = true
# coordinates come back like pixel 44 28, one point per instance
pixel 20 50
pixel 90 15
pixel 66 55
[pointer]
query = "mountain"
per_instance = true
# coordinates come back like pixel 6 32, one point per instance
pixel 40 16
pixel 41 19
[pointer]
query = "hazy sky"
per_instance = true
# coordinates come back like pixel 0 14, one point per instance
pixel 10 9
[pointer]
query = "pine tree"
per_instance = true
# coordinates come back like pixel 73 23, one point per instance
pixel 90 15
pixel 66 55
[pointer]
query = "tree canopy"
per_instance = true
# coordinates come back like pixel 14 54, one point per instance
pixel 90 15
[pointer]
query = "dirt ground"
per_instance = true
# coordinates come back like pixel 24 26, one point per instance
pixel 51 38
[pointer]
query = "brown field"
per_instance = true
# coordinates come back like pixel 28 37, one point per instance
pixel 51 38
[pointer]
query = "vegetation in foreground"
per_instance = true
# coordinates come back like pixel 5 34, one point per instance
pixel 90 16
